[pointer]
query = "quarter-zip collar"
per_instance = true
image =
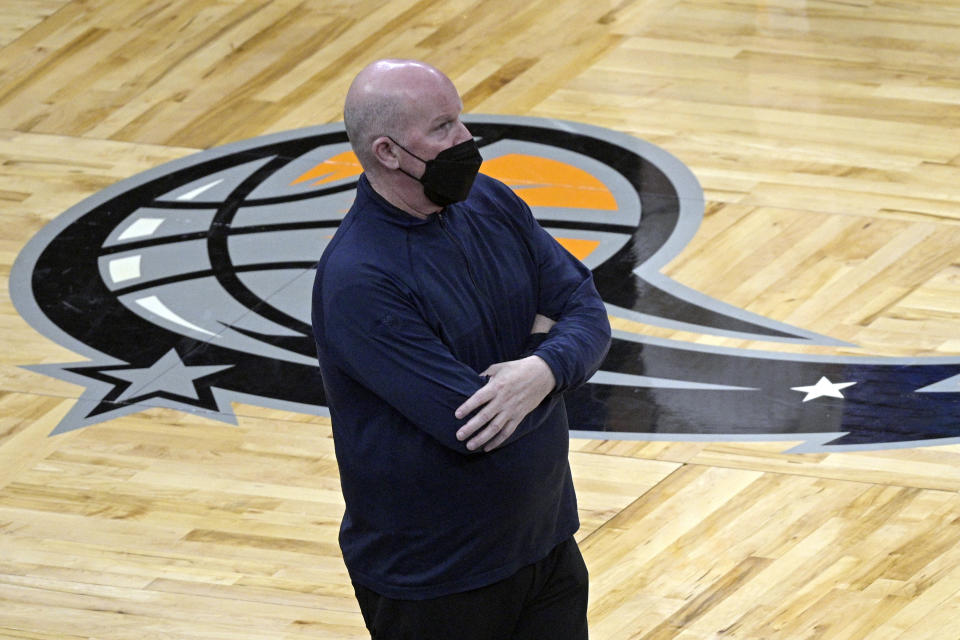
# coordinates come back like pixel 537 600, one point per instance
pixel 387 211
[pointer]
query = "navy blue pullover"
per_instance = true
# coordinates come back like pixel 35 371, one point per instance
pixel 406 314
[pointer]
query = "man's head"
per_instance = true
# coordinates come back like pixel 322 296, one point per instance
pixel 399 114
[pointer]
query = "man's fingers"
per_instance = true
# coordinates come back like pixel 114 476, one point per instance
pixel 475 423
pixel 481 396
pixel 501 437
pixel 487 434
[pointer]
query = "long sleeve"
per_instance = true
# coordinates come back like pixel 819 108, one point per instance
pixel 379 339
pixel 578 342
pixel 406 316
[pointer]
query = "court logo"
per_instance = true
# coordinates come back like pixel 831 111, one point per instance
pixel 188 286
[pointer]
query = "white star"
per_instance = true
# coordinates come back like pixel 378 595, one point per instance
pixel 823 388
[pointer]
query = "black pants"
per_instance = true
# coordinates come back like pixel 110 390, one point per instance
pixel 543 601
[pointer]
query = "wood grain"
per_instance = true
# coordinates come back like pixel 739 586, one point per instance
pixel 824 135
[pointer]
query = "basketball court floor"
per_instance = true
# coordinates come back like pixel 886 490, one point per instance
pixel 768 193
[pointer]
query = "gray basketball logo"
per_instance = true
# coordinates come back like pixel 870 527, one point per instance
pixel 188 286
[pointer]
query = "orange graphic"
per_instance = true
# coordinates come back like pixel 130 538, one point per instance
pixel 578 247
pixel 340 166
pixel 543 182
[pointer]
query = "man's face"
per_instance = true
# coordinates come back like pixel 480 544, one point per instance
pixel 435 123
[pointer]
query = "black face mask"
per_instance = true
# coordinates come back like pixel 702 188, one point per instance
pixel 448 177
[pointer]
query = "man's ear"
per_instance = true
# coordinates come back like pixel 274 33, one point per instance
pixel 385 151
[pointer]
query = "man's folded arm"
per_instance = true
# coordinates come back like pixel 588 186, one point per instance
pixel 381 341
pixel 578 342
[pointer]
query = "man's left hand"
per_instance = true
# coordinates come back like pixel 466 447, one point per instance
pixel 514 389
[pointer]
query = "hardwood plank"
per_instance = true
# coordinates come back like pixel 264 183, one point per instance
pixel 20 18
pixel 824 137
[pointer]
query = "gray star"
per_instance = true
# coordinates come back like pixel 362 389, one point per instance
pixel 168 374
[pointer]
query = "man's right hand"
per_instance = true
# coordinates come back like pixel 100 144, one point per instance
pixel 542 324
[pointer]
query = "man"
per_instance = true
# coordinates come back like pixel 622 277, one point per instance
pixel 448 324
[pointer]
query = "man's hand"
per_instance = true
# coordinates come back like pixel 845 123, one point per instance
pixel 542 324
pixel 514 389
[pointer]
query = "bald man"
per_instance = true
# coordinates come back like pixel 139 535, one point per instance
pixel 448 325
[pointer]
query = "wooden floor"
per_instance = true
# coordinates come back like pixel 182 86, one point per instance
pixel 825 136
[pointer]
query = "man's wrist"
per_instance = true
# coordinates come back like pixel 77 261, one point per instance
pixel 544 374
